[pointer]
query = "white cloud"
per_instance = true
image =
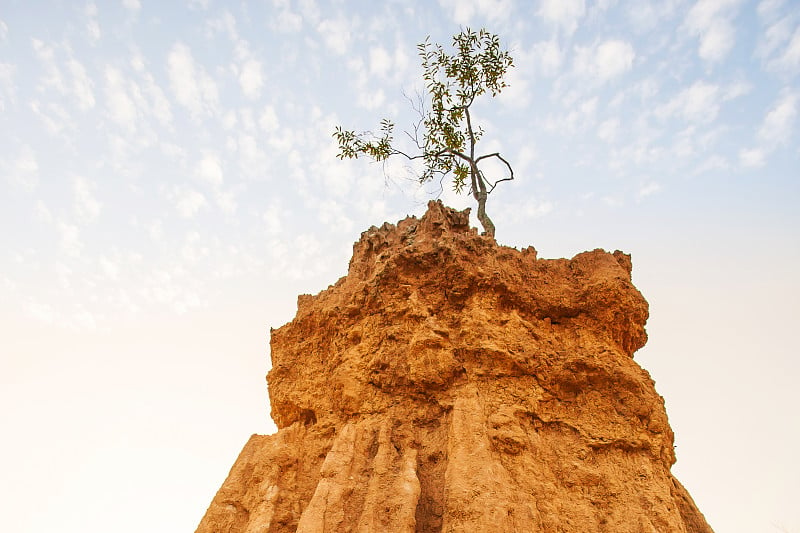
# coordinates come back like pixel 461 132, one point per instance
pixel 648 188
pixel 338 179
pixel 752 157
pixel 251 78
pixel 704 12
pixel 768 8
pixel 158 103
pixel 789 60
pixel 7 72
pixel 81 85
pixel 248 70
pixel 188 201
pixel 209 169
pixel 9 285
pixel 712 162
pixel 695 141
pixel 172 151
pixel 298 258
pixel 40 311
pixel 93 31
pixel 533 208
pixel 64 274
pixel 55 116
pixel 120 105
pixel 87 207
pixel 24 171
pixel 717 41
pixel 109 268
pixel 609 130
pixel 52 74
pixel 367 96
pixel 645 15
pixel 605 61
pixel 229 120
pixel 613 201
pixel 564 14
pixel 226 201
pixel 380 62
pixel 737 89
pixel 191 86
pixel 80 319
pixel 614 57
pixel 226 23
pixel 43 213
pixel 193 248
pixel 710 21
pixel 78 87
pixel 402 61
pixel 372 99
pixel 517 94
pixel 697 103
pixel 463 12
pixel 685 142
pixel 132 5
pixel 522 210
pixel 92 26
pixel 332 214
pixel 287 20
pixel 776 130
pixel 268 120
pixel 336 34
pixel 774 36
pixel 273 218
pixel 778 123
pixel 137 61
pixel 156 231
pixel 580 117
pixel 70 241
pixel 251 157
pixel 549 57
pixel 605 5
pixel 3 31
pixel 248 120
pixel 310 11
pixel 525 159
pixel 174 287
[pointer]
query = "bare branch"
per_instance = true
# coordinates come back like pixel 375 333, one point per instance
pixel 508 165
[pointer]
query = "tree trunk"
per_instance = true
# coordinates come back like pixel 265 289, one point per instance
pixel 480 194
pixel 486 222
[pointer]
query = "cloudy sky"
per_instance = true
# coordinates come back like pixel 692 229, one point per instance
pixel 168 186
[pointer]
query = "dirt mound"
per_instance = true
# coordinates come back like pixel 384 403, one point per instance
pixel 451 384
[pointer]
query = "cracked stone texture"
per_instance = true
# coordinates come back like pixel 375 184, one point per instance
pixel 449 384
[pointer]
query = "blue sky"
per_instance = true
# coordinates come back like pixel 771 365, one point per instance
pixel 168 185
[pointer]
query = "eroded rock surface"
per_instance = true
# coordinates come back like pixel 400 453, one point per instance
pixel 448 384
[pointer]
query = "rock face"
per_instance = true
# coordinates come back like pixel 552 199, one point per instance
pixel 448 384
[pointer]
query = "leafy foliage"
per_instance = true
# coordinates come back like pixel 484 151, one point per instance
pixel 445 136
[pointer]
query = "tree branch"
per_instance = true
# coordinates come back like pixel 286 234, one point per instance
pixel 508 165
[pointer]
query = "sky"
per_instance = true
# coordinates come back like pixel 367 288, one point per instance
pixel 169 185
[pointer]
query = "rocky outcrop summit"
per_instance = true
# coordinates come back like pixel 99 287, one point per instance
pixel 449 384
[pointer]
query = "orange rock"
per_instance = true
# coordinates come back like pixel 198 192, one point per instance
pixel 448 384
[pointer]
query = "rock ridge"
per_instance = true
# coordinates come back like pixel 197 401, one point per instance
pixel 450 384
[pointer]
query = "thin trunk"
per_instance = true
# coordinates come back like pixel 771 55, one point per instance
pixel 481 194
pixel 486 222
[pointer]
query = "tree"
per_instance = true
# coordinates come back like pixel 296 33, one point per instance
pixel 445 137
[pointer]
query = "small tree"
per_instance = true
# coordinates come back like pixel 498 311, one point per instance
pixel 445 136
